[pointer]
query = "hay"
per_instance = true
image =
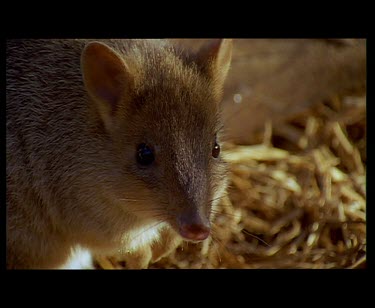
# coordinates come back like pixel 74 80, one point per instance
pixel 300 204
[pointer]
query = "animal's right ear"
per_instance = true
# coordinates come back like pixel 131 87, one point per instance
pixel 106 78
pixel 214 59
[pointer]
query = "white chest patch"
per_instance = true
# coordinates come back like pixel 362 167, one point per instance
pixel 142 236
pixel 80 258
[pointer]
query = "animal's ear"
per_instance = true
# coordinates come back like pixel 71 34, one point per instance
pixel 106 77
pixel 214 59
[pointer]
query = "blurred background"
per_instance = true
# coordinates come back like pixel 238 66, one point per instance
pixel 280 79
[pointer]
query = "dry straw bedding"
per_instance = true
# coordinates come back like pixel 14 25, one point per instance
pixel 298 204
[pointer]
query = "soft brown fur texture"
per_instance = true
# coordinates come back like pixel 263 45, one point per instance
pixel 72 175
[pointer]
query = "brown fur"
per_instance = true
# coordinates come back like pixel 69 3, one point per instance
pixel 72 176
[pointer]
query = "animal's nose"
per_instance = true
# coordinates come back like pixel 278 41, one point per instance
pixel 193 226
pixel 194 232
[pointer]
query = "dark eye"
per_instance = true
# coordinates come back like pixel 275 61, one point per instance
pixel 145 155
pixel 216 150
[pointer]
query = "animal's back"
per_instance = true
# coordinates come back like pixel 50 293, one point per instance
pixel 44 99
pixel 43 87
pixel 45 109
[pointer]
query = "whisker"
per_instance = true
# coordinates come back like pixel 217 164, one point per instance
pixel 243 231
pixel 151 210
pixel 218 212
pixel 223 196
pixel 134 200
pixel 147 208
pixel 220 128
pixel 219 243
pixel 149 228
pixel 216 241
pixel 256 237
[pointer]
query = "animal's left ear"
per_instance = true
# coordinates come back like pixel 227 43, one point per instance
pixel 214 59
pixel 107 79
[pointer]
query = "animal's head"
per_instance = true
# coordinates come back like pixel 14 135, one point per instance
pixel 160 110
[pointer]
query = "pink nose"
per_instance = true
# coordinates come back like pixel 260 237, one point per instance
pixel 194 232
